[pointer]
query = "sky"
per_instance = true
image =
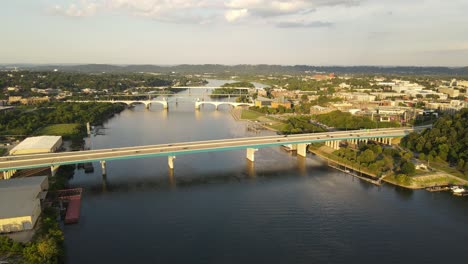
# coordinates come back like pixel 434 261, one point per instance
pixel 286 32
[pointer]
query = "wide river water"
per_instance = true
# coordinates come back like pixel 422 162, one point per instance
pixel 218 208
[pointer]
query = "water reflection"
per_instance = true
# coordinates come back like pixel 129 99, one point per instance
pixel 250 168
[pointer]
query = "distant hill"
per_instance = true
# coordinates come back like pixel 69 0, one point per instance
pixel 248 69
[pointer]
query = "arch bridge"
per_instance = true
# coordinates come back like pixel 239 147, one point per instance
pixel 216 104
pixel 147 103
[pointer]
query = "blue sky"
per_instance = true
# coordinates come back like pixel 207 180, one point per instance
pixel 313 32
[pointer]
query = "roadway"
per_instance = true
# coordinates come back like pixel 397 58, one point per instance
pixel 182 148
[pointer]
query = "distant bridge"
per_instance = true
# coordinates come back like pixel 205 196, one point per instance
pixel 298 142
pixel 210 87
pixel 148 103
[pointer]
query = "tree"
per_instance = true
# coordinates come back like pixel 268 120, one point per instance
pixel 47 250
pixel 407 168
pixel 367 156
pixel 422 156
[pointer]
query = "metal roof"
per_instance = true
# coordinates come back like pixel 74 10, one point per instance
pixel 42 142
pixel 18 197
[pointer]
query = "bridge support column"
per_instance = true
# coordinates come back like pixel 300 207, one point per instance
pixel 170 162
pixel 302 150
pixel 165 105
pixel 103 167
pixel 88 128
pixel 7 174
pixel 251 154
pixel 197 106
pixel 53 170
pixel 337 145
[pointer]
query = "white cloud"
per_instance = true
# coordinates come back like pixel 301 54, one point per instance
pixel 83 9
pixel 203 11
pixel 235 14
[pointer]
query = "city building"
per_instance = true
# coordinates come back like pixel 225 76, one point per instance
pixel 263 101
pixel 34 100
pixel 20 202
pixel 41 144
pixel 450 91
pixel 14 99
pixel 285 104
pixel 361 97
pixel 462 83
pixel 404 86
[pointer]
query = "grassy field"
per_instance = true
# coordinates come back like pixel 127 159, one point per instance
pixel 2 151
pixel 250 115
pixel 277 126
pixel 66 130
pixel 449 170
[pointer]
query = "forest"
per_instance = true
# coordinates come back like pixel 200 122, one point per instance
pixel 446 141
pixel 74 82
pixel 25 121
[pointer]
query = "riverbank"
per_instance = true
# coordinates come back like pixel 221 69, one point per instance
pixel 421 180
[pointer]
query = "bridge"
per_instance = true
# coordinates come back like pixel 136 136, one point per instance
pixel 251 144
pixel 216 104
pixel 148 103
pixel 210 87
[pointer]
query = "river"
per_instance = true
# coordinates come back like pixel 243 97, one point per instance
pixel 219 208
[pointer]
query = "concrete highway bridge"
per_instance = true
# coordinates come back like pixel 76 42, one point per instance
pixel 164 103
pixel 210 87
pixel 250 144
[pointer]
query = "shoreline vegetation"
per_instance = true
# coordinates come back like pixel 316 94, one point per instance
pixel 396 167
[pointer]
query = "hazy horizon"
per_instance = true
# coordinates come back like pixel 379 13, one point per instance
pixel 231 32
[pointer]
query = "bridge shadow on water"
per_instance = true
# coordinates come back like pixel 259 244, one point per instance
pixel 173 181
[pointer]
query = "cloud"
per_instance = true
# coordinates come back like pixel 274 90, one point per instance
pixel 272 8
pixel 83 9
pixel 303 24
pixel 171 11
pixel 281 13
pixel 235 14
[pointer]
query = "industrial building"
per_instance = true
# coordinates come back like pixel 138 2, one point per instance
pixel 33 145
pixel 20 202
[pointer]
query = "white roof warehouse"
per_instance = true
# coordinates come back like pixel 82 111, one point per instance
pixel 42 144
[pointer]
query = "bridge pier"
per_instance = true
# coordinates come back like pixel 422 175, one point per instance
pixel 170 162
pixel 53 170
pixel 251 154
pixel 302 149
pixel 103 167
pixel 7 174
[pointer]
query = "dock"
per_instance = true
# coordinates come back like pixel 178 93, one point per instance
pixel 441 188
pixel 73 199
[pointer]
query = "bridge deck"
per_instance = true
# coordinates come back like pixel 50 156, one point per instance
pixel 174 149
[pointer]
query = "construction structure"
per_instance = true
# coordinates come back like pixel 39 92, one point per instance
pixel 20 203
